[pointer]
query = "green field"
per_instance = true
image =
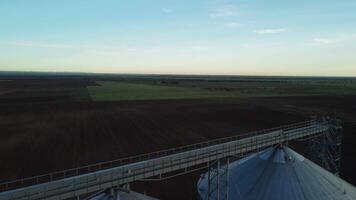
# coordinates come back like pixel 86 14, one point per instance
pixel 110 90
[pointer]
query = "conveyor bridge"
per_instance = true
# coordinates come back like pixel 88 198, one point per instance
pixel 160 165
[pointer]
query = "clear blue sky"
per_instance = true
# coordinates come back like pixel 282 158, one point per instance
pixel 257 37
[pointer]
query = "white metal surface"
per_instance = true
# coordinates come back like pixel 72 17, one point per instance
pixel 277 173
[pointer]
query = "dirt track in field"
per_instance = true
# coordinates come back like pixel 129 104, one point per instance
pixel 45 137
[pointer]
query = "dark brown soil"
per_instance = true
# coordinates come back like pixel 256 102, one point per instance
pixel 45 137
pixel 44 90
pixel 39 138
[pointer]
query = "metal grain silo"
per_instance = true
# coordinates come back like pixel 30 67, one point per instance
pixel 277 173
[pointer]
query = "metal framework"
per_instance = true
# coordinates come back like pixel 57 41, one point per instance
pixel 155 166
pixel 218 173
pixel 325 149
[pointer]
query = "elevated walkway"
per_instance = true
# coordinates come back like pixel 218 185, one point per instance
pixel 155 166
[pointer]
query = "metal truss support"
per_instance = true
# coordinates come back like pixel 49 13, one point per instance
pixel 218 180
pixel 110 193
pixel 325 149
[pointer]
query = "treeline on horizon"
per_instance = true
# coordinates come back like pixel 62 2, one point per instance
pixel 28 75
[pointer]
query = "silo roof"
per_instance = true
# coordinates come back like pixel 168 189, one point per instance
pixel 278 173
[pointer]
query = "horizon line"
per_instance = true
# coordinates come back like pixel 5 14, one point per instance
pixel 170 74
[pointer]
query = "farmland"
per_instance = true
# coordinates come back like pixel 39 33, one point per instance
pixel 182 89
pixel 54 123
pixel 108 91
pixel 43 90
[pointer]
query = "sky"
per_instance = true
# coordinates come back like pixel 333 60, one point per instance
pixel 237 37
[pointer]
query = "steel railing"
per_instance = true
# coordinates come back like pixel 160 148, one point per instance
pixel 20 183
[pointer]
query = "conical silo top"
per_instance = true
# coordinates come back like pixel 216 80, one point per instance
pixel 277 173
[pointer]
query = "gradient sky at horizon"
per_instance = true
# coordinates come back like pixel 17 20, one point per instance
pixel 240 37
